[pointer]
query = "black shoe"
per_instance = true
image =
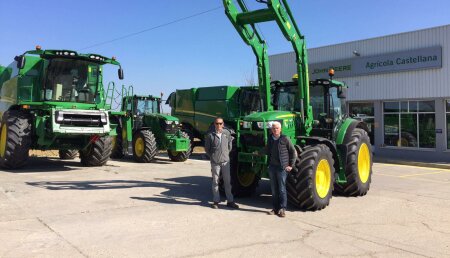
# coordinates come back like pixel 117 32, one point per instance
pixel 215 205
pixel 232 205
pixel 282 213
pixel 272 212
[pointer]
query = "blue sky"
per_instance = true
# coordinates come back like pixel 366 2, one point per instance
pixel 202 51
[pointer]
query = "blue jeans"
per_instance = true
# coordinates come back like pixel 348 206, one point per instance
pixel 278 185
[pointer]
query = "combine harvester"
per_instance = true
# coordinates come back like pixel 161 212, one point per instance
pixel 55 100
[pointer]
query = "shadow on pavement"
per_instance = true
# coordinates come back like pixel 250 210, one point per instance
pixel 197 191
pixel 45 164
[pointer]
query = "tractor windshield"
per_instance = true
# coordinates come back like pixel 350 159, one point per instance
pixel 145 106
pixel 337 105
pixel 71 80
pixel 285 98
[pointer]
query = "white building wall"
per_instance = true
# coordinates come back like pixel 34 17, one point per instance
pixel 417 84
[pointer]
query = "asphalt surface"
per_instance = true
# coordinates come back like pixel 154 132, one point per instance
pixel 125 209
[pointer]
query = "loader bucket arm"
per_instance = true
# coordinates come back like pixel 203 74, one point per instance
pixel 245 23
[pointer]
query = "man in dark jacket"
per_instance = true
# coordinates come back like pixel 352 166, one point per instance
pixel 218 145
pixel 281 156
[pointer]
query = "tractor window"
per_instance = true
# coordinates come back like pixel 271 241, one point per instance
pixel 147 107
pixel 285 99
pixel 316 99
pixel 67 81
pixel 337 104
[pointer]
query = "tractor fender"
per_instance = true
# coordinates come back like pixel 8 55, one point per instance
pixel 311 140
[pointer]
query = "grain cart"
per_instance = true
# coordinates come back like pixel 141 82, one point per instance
pixel 55 99
pixel 144 130
pixel 198 107
pixel 333 150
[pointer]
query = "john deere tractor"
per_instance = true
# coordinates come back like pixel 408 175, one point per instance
pixel 334 151
pixel 143 130
pixel 55 99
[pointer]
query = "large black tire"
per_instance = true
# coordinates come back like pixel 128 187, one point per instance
pixel 67 154
pixel 97 153
pixel 242 184
pixel 358 169
pixel 310 187
pixel 15 139
pixel 144 146
pixel 117 149
pixel 181 156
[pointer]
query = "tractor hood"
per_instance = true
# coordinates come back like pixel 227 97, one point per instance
pixel 269 116
pixel 165 117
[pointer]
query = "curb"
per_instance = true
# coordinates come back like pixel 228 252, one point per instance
pixel 413 163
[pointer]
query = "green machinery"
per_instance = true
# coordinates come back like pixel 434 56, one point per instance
pixel 55 99
pixel 334 151
pixel 197 107
pixel 144 130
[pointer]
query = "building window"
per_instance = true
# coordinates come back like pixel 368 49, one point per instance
pixel 364 111
pixel 448 123
pixel 410 124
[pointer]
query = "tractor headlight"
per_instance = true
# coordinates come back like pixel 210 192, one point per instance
pixel 268 124
pixel 168 122
pixel 246 124
pixel 176 122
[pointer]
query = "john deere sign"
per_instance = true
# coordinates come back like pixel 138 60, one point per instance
pixel 424 58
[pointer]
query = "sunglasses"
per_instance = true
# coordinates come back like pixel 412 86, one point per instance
pixel 219 123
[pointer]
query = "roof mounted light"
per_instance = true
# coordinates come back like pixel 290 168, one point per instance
pixel 38 47
pixel 331 72
pixel 113 58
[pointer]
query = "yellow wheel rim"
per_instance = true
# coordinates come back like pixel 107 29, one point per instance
pixel 323 178
pixel 3 141
pixel 124 134
pixel 246 178
pixel 139 147
pixel 364 163
pixel 113 141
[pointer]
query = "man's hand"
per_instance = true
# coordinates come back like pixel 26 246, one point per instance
pixel 288 169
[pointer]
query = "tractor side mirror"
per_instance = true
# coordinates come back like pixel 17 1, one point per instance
pixel 20 61
pixel 341 93
pixel 120 73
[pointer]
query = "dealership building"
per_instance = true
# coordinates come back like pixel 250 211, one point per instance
pixel 399 84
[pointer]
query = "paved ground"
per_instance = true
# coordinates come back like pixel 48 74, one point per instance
pixel 57 208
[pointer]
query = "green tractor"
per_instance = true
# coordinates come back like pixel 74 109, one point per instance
pixel 334 151
pixel 55 99
pixel 143 130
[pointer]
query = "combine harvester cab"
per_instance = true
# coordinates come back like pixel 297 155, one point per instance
pixel 55 100
pixel 143 130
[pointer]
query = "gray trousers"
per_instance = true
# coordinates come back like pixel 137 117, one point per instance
pixel 215 171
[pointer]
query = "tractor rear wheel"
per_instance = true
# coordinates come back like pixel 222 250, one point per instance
pixel 67 154
pixel 97 153
pixel 180 156
pixel 117 143
pixel 15 139
pixel 144 146
pixel 311 186
pixel 358 169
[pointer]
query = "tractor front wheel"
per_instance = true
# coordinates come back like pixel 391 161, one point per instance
pixel 144 146
pixel 117 143
pixel 97 153
pixel 244 179
pixel 311 186
pixel 15 139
